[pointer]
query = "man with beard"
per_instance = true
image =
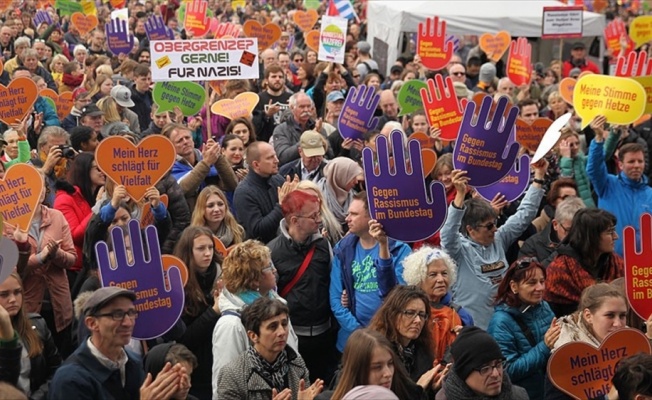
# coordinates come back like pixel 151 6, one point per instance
pixel 286 136
pixel 271 104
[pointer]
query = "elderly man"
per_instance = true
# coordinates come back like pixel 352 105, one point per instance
pixel 6 42
pixel 286 135
pixel 101 367
pixel 310 165
pixel 578 60
pixel 457 72
pixel 389 106
pixel 30 59
pixel 20 45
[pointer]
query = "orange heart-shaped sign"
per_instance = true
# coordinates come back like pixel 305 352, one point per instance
pixel 566 88
pixel 20 195
pixel 147 216
pixel 266 34
pixel 43 4
pixel 17 99
pixel 584 372
pixel 168 261
pixel 477 99
pixel 2 66
pixel 5 4
pixel 63 102
pixel 424 139
pixel 305 20
pixel 242 106
pixel 84 23
pixel 118 4
pixel 495 45
pixel 219 247
pixel 218 86
pixel 529 136
pixel 137 167
pixel 312 40
pixel 428 161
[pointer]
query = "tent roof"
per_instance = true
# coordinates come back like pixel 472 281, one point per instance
pixel 474 17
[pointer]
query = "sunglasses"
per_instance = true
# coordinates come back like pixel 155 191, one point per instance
pixel 458 73
pixel 489 226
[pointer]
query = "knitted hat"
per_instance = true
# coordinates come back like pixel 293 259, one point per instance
pixel 487 73
pixel 472 349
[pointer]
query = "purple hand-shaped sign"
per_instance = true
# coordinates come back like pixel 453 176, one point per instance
pixel 357 116
pixel 513 185
pixel 159 301
pixel 119 39
pixel 483 149
pixel 156 29
pixel 42 17
pixel 398 197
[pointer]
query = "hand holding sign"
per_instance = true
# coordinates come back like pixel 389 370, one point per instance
pixel 519 66
pixel 638 265
pixel 156 30
pixel 398 199
pixel 443 109
pixel 160 300
pixel 120 41
pixel 432 47
pixel 357 116
pixel 481 147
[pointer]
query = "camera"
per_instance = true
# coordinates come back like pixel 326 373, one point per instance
pixel 67 151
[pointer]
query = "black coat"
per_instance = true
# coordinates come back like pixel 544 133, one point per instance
pixel 256 203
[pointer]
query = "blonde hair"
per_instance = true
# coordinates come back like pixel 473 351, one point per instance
pixel 98 84
pixel 198 214
pixel 110 108
pixel 244 265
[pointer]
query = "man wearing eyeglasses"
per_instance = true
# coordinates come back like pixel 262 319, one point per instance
pixel 457 72
pixel 101 367
pixel 302 257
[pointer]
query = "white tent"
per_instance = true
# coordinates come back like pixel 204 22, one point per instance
pixel 389 19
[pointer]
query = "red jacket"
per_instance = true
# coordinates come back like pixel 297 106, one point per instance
pixel 588 66
pixel 77 212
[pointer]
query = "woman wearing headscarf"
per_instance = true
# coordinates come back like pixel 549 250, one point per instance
pixel 341 175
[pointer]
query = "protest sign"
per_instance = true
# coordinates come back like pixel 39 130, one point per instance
pixel 156 30
pixel 428 154
pixel 266 34
pixel 305 20
pixel 495 45
pixel 398 197
pixel 529 135
pixel 188 96
pixel 614 33
pixel 562 22
pixel 159 292
pixel 137 167
pixel 640 30
pixel 219 247
pixel 621 100
pixel 639 67
pixel 551 137
pixel 68 7
pixel 566 88
pixel 170 261
pixel 88 7
pixel 512 185
pixel 637 249
pixel 311 4
pixel 226 30
pixel 519 67
pixel 84 23
pixel 312 40
pixel 442 108
pixel 332 39
pixel 409 96
pixel 4 5
pixel 117 4
pixel 197 21
pixel 241 106
pixel 119 40
pixel 215 59
pixel 17 99
pixel 238 4
pixel 357 115
pixel 432 45
pixel 62 102
pixel 8 257
pixel 584 371
pixel 483 148
pixel 20 195
pixel 121 14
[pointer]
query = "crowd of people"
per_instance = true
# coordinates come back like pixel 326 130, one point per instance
pixel 311 299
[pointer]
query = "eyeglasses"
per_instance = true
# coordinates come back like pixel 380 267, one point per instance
pixel 412 314
pixel 564 228
pixel 489 226
pixel 298 60
pixel 16 292
pixel 270 267
pixel 315 217
pixel 119 315
pixel 458 73
pixel 487 369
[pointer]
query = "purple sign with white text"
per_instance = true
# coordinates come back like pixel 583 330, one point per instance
pixel 119 40
pixel 513 185
pixel 159 299
pixel 484 149
pixel 398 197
pixel 357 116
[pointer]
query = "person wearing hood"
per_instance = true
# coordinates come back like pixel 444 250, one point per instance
pixel 302 257
pixel 626 195
pixel 248 274
pixel 524 325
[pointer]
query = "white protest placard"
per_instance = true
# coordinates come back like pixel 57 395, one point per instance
pixel 332 39
pixel 562 22
pixel 204 60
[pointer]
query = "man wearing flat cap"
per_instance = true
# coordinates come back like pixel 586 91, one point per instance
pixel 311 163
pixel 578 60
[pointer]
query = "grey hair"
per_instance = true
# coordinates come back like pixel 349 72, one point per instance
pixel 293 99
pixel 54 131
pixel 7 132
pixel 22 41
pixel 567 208
pixel 29 53
pixel 415 265
pixel 391 126
pixel 78 48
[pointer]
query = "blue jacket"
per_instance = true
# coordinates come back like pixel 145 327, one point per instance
pixel 621 196
pixel 50 117
pixel 389 273
pixel 465 316
pixel 526 365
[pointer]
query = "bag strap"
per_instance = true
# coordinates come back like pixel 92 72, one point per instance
pixel 526 330
pixel 300 272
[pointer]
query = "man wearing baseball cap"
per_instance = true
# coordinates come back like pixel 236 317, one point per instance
pixel 101 367
pixel 578 60
pixel 311 163
pixel 122 96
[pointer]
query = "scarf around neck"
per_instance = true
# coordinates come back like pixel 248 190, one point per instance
pixel 457 389
pixel 276 373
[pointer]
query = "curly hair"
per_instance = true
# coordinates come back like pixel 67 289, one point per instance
pixel 415 265
pixel 244 264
